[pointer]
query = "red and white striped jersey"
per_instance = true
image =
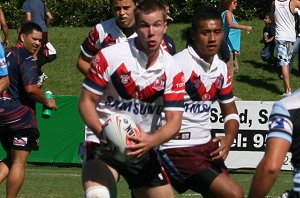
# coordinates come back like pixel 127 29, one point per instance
pixel 118 73
pixel 103 35
pixel 204 84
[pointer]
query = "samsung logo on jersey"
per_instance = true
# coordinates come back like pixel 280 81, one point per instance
pixel 196 108
pixel 134 107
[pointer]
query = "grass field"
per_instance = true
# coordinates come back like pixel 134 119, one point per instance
pixel 64 182
pixel 255 81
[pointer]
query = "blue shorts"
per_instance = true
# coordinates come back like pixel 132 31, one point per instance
pixel 283 52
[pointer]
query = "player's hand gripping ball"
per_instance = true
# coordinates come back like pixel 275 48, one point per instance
pixel 116 130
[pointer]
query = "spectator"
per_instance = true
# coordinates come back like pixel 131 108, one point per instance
pixel 144 75
pixel 115 30
pixel 193 159
pixel 4 28
pixel 224 53
pixel 168 43
pixel 267 53
pixel 232 33
pixel 285 37
pixel 297 43
pixel 4 80
pixel 36 11
pixel 18 125
pixel 282 137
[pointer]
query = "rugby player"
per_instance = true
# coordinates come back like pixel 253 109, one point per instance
pixel 194 159
pixel 115 30
pixel 141 74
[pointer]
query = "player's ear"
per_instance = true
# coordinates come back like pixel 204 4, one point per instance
pixel 22 37
pixel 192 34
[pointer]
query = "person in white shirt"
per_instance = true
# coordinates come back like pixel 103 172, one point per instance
pixel 285 37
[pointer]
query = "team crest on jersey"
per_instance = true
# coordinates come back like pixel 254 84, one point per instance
pixel 97 58
pixel 125 78
pixel 206 97
pixel 197 82
pixel 219 81
pixel 159 84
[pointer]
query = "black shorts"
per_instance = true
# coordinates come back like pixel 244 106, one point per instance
pixel 150 174
pixel 192 167
pixel 24 139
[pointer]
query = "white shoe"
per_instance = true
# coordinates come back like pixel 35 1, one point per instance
pixel 42 78
pixel 286 94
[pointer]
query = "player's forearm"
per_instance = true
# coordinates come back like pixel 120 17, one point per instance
pixel 4 83
pixel 87 110
pixel 231 129
pixel 36 94
pixel 262 183
pixel 83 66
pixel 169 130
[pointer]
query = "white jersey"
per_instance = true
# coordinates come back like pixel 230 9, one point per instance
pixel 284 21
pixel 103 35
pixel 118 73
pixel 204 84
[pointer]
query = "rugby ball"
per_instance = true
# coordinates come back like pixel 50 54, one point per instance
pixel 116 130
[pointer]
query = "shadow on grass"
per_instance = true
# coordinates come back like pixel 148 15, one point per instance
pixel 267 83
pixel 266 67
pixel 259 83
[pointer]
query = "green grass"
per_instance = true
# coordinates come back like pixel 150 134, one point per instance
pixel 255 81
pixel 65 182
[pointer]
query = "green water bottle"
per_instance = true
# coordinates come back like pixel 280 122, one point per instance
pixel 46 113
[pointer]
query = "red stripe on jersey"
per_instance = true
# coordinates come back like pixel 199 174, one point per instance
pixel 108 41
pixel 98 67
pixel 226 90
pixel 174 96
pixel 155 87
pixel 178 82
pixel 216 86
pixel 92 38
pixel 196 80
pixel 125 79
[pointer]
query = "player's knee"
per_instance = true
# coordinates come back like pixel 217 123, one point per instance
pixel 97 192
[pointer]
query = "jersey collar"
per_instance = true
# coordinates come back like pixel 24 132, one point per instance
pixel 201 62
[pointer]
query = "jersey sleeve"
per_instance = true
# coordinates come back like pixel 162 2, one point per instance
pixel 29 72
pixel 280 124
pixel 91 44
pixel 225 95
pixel 3 65
pixel 97 78
pixel 175 88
